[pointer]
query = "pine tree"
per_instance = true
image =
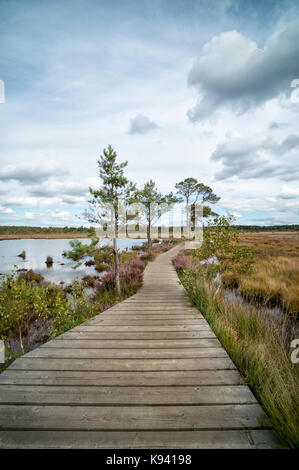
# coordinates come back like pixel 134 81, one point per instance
pixel 115 188
pixel 155 205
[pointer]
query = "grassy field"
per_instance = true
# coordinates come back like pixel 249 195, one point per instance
pixel 274 280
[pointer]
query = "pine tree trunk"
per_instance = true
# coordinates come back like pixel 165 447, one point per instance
pixel 149 241
pixel 116 263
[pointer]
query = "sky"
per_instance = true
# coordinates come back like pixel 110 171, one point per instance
pixel 180 88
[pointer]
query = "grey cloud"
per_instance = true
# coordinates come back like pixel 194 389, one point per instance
pixel 142 125
pixel 289 143
pixel 57 188
pixel 244 158
pixel 232 71
pixel 28 173
pixel 274 125
pixel 289 193
pixel 68 199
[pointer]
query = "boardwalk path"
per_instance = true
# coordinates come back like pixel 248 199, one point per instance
pixel 148 372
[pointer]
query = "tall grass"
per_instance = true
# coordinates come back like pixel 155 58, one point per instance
pixel 256 346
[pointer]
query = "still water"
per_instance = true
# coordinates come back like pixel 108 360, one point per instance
pixel 37 251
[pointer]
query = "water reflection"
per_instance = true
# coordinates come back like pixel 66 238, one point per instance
pixel 37 250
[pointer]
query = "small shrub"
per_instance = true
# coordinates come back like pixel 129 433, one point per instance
pixel 22 255
pixel 89 281
pixel 49 261
pixel 136 248
pixel 147 257
pixel 30 276
pixel 100 267
pixel 90 262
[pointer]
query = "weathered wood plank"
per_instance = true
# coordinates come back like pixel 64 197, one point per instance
pixel 145 317
pixel 138 335
pixel 39 395
pixel 141 328
pixel 146 322
pixel 132 417
pixel 133 353
pixel 33 363
pixel 127 378
pixel 208 439
pixel 61 342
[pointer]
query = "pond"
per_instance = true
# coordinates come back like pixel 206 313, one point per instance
pixel 37 251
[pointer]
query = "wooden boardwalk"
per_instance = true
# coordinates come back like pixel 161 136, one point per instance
pixel 147 373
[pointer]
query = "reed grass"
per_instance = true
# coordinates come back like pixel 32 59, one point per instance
pixel 255 344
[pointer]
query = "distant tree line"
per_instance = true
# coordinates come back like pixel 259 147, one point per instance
pixel 267 228
pixel 16 230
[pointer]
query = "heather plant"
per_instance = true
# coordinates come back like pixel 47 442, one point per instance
pixel 180 262
pixel 137 263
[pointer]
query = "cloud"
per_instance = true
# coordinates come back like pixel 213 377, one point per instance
pixel 289 143
pixel 289 193
pixel 62 215
pixel 25 201
pixel 6 210
pixel 69 199
pixel 247 158
pixel 234 72
pixel 29 215
pixel 142 125
pixel 54 188
pixel 21 201
pixel 29 173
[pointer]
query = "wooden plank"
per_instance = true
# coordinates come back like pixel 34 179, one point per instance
pixel 147 323
pixel 61 342
pixel 145 317
pixel 212 363
pixel 131 353
pixel 127 378
pixel 132 417
pixel 208 439
pixel 137 335
pixel 154 308
pixel 41 395
pixel 141 328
